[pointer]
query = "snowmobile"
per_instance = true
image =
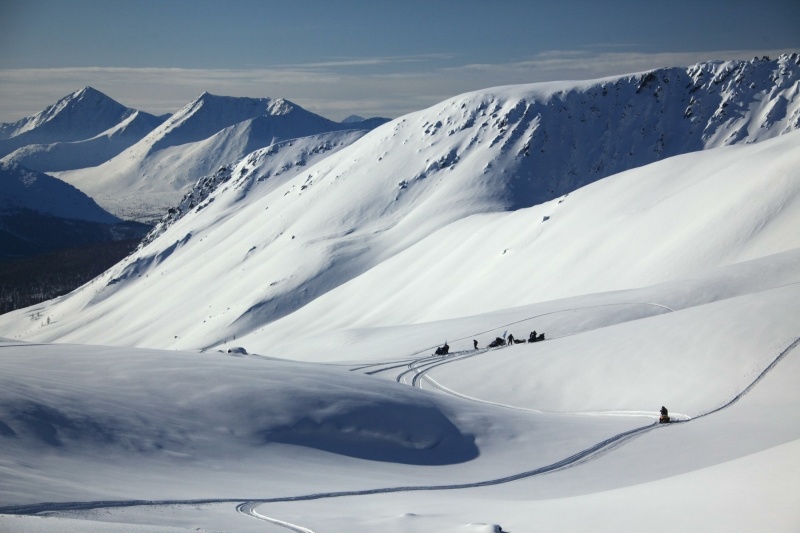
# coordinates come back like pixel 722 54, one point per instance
pixel 497 342
pixel 664 419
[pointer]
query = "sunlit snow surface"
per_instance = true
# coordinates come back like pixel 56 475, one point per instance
pixel 84 423
pixel 536 141
pixel 333 281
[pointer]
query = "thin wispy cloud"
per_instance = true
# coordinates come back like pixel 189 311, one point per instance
pixel 594 65
pixel 370 61
pixel 330 88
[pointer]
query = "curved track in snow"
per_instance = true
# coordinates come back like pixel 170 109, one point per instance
pixel 249 509
pixel 248 505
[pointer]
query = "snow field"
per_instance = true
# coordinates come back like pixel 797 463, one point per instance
pixel 343 265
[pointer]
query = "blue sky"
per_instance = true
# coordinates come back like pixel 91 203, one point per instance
pixel 366 57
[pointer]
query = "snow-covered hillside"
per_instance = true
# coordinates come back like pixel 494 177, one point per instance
pixel 40 214
pixel 277 163
pixel 538 142
pixel 402 240
pixel 151 176
pixel 23 188
pixel 90 152
pixel 509 438
pixel 313 279
pixel 54 135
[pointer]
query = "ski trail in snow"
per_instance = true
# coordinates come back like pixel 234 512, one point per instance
pixel 249 509
pixel 645 414
pixel 250 503
pixel 426 364
pixel 417 366
pixel 458 356
pixel 677 418
pixel 593 452
pixel 752 385
pixel 398 363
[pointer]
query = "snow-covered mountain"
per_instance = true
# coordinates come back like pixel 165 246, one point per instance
pixel 545 139
pixel 82 129
pixel 23 188
pixel 384 222
pixel 90 152
pixel 277 162
pixel 554 433
pixel 343 259
pixel 39 213
pixel 151 176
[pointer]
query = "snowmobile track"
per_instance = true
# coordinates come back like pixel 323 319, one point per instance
pixel 593 452
pixel 249 509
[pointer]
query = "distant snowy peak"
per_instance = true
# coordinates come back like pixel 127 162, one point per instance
pixel 208 114
pixel 281 107
pixel 79 116
pixel 206 134
pixel 78 109
pixel 25 189
pixel 228 128
pixel 71 105
pixel 366 123
pixel 60 156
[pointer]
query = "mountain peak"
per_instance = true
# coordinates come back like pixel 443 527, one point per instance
pixel 281 106
pixel 89 91
pixel 79 115
pixel 87 94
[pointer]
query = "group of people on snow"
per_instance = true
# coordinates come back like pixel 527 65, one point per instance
pixel 508 341
pixel 498 341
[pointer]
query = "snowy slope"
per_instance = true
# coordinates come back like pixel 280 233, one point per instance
pixel 665 221
pixel 90 152
pixel 176 428
pixel 537 141
pixel 343 259
pixel 81 115
pixel 40 214
pixel 151 176
pixel 322 250
pixel 275 163
pixel 27 189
